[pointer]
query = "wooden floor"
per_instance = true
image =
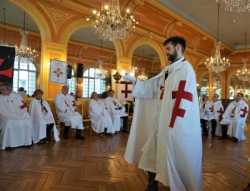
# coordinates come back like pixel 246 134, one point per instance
pixel 96 164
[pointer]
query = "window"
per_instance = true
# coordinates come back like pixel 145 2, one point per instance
pixel 24 75
pixel 92 81
pixel 72 83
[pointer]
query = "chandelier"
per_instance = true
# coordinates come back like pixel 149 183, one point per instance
pixel 109 23
pixel 243 74
pixel 24 50
pixel 217 63
pixel 238 6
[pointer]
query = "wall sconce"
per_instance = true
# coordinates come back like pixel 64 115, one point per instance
pixel 117 76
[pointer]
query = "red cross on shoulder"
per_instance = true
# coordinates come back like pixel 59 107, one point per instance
pixel 244 112
pixel 178 96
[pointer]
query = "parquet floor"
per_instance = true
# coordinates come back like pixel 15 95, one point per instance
pixel 96 164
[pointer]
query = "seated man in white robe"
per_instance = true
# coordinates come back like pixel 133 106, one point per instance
pixel 116 110
pixel 44 126
pixel 238 111
pixel 67 114
pixel 99 116
pixel 15 122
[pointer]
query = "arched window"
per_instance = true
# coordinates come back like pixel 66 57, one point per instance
pixel 72 83
pixel 92 81
pixel 24 75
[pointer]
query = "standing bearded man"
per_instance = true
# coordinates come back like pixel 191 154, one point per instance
pixel 173 153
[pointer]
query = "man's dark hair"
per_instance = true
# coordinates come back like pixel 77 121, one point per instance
pixel 240 94
pixel 176 40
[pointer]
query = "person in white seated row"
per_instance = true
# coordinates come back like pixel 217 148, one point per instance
pixel 115 109
pixel 66 111
pixel 15 122
pixel 44 126
pixel 235 117
pixel 99 116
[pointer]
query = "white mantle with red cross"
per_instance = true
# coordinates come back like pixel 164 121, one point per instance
pixel 124 91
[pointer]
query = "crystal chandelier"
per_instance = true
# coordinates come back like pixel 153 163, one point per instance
pixel 238 6
pixel 24 50
pixel 109 23
pixel 217 63
pixel 243 74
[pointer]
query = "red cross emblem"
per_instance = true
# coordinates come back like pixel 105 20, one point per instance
pixel 221 111
pixel 58 72
pixel 7 72
pixel 178 96
pixel 162 92
pixel 126 91
pixel 245 111
pixel 211 109
pixel 24 105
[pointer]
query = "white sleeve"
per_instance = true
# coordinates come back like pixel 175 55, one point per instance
pixel 59 105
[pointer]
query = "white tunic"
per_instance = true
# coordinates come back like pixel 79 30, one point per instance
pixel 15 122
pixel 174 151
pixel 99 117
pixel 66 111
pixel 238 114
pixel 116 111
pixel 206 110
pixel 41 115
pixel 218 111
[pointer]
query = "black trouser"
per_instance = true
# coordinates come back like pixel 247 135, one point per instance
pixel 49 131
pixel 213 124
pixel 224 131
pixel 204 127
pixel 152 183
pixel 125 123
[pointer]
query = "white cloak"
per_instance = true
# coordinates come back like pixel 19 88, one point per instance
pixel 145 118
pixel 116 111
pixel 218 110
pixel 40 118
pixel 238 119
pixel 99 117
pixel 174 151
pixel 66 111
pixel 15 122
pixel 206 111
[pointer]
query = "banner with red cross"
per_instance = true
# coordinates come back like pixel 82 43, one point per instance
pixel 58 72
pixel 125 91
pixel 7 58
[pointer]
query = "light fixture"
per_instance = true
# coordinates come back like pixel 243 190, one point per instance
pixel 238 6
pixel 217 63
pixel 24 50
pixel 243 74
pixel 110 24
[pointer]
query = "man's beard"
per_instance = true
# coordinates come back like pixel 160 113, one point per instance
pixel 172 57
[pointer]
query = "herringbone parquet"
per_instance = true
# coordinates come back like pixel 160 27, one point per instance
pixel 96 164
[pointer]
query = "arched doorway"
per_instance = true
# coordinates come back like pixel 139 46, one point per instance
pixel 146 62
pixel 26 71
pixel 98 58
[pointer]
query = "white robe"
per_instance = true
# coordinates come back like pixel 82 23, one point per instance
pixel 144 123
pixel 15 122
pixel 116 111
pixel 99 117
pixel 238 119
pixel 40 119
pixel 206 112
pixel 218 110
pixel 174 151
pixel 66 111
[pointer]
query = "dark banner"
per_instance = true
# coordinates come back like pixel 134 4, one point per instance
pixel 7 57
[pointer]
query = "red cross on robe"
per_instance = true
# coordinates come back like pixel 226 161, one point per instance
pixel 126 91
pixel 178 96
pixel 7 72
pixel 211 108
pixel 221 111
pixel 245 111
pixel 58 72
